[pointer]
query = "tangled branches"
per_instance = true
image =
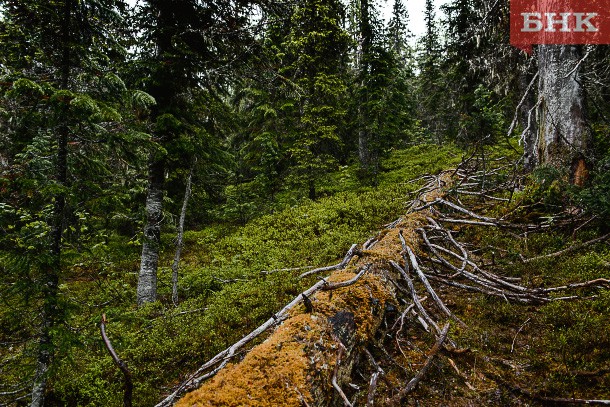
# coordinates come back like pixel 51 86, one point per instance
pixel 420 257
pixel 435 256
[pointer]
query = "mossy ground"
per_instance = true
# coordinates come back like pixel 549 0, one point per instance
pixel 224 291
pixel 560 349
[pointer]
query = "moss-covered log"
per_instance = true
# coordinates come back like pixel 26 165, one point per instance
pixel 296 365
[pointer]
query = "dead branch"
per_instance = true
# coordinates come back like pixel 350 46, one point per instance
pixel 512 346
pixel 597 282
pixel 426 284
pixel 353 251
pixel 286 269
pixel 420 308
pixel 333 286
pixel 374 377
pixel 527 91
pixel 570 249
pixel 128 382
pixel 415 380
pixel 334 380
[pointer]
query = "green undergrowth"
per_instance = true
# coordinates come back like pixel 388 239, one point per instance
pixel 559 349
pixel 229 284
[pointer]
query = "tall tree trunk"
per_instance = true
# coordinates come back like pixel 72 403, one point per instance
pixel 163 89
pixel 179 239
pixel 52 267
pixel 563 138
pixel 364 50
pixel 147 278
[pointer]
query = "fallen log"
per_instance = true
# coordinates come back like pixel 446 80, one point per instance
pixel 296 365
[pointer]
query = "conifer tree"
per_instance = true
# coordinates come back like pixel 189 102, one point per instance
pixel 382 84
pixel 316 64
pixel 398 32
pixel 187 51
pixel 59 94
pixel 429 80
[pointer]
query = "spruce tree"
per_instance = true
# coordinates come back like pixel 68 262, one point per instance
pixel 60 98
pixel 429 80
pixel 188 51
pixel 381 85
pixel 316 63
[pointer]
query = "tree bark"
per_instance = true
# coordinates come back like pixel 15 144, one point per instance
pixel 51 268
pixel 179 238
pixel 563 138
pixel 147 278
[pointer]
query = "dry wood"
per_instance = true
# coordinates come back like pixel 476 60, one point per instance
pixel 286 269
pixel 334 379
pixel 370 400
pixel 333 286
pixel 420 308
pixel 426 283
pixel 570 249
pixel 128 381
pixel 512 346
pixel 353 251
pixel 418 377
pixel 180 236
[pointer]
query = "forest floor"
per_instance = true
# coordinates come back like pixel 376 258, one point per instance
pixel 521 289
pixel 233 278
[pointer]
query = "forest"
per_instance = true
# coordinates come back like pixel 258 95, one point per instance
pixel 179 178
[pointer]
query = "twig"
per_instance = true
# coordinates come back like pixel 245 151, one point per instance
pixel 572 248
pixel 334 380
pixel 418 304
pixel 415 380
pixel 429 288
pixel 353 251
pixel 374 377
pixel 515 118
pixel 333 286
pixel 286 269
pixel 512 347
pixel 128 385
pixel 596 282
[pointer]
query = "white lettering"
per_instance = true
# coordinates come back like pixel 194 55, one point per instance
pixel 584 19
pixel 551 22
pixel 530 24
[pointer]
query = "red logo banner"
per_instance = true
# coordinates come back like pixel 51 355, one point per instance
pixel 559 22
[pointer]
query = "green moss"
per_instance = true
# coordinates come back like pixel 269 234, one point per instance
pixel 223 292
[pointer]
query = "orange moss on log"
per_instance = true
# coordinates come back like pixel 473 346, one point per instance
pixel 300 354
pixel 272 374
pixel 366 300
pixel 298 359
pixel 388 246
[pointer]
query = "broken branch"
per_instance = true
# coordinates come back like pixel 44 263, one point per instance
pixel 415 380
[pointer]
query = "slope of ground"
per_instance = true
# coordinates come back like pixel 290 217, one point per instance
pixel 226 284
pixel 526 298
